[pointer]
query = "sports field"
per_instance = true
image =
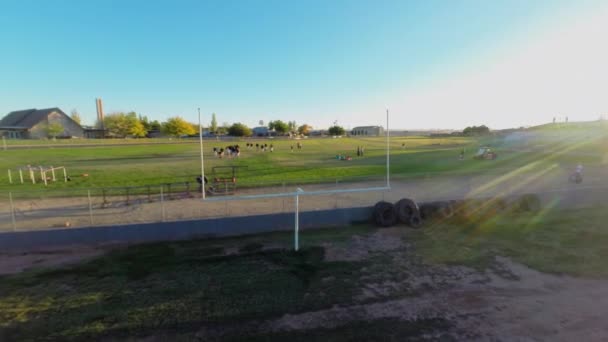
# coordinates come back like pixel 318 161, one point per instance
pixel 503 276
pixel 151 162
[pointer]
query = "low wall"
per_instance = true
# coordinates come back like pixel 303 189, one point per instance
pixel 181 230
pixel 573 197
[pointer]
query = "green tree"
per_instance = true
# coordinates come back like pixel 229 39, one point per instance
pixel 213 126
pixel 239 130
pixel 336 130
pixel 136 128
pixel 145 122
pixel 54 129
pixel 155 125
pixel 476 130
pixel 304 129
pixel 123 125
pixel 176 126
pixel 278 126
pixel 75 116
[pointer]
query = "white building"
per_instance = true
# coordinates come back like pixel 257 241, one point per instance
pixel 372 131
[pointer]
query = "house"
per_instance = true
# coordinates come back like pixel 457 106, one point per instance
pixel 260 131
pixel 34 124
pixel 373 131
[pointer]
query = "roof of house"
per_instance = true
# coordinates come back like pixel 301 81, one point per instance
pixel 27 118
pixel 367 127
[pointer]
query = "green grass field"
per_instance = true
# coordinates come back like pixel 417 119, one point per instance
pixel 172 290
pixel 150 162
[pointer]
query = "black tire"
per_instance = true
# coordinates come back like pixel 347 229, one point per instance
pixel 428 210
pixel 415 221
pixel 406 208
pixel 529 202
pixel 384 214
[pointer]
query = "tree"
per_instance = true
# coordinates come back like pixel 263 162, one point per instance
pixel 239 130
pixel 123 125
pixel 54 129
pixel 223 129
pixel 336 130
pixel 292 126
pixel 155 125
pixel 176 126
pixel 136 128
pixel 213 126
pixel 476 130
pixel 145 122
pixel 304 129
pixel 75 116
pixel 279 126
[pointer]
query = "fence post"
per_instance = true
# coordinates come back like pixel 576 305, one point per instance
pixel 53 173
pixel 10 179
pixel 10 199
pixel 162 205
pixel 103 194
pixel 90 206
pixel 21 175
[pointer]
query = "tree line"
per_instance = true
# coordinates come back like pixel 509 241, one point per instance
pixel 131 124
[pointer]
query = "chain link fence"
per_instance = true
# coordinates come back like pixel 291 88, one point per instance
pixel 64 209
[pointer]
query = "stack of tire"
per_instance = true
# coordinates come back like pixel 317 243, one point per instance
pixel 478 208
pixel 404 211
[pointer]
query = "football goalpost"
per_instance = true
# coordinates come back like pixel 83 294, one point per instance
pixel 300 192
pixel 30 172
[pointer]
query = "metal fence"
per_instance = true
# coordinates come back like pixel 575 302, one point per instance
pixel 61 208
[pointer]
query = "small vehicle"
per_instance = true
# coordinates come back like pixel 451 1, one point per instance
pixel 485 153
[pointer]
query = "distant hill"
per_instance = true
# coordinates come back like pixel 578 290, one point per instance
pixel 578 125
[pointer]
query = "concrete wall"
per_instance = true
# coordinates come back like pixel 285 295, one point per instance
pixel 181 230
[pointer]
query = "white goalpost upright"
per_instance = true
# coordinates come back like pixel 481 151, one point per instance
pixel 31 172
pixel 299 192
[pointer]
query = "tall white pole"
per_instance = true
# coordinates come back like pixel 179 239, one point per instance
pixel 200 138
pixel 388 152
pixel 10 179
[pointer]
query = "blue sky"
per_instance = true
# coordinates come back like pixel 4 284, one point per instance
pixel 435 64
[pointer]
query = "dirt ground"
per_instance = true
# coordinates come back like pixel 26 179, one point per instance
pixel 507 302
pixel 74 212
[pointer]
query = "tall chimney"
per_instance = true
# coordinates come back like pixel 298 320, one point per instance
pixel 99 106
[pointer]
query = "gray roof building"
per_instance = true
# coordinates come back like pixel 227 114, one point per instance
pixel 32 123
